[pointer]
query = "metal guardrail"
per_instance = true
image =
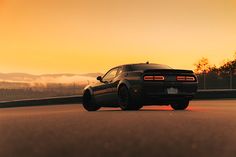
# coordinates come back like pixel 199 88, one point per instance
pixel 77 99
pixel 216 94
pixel 214 90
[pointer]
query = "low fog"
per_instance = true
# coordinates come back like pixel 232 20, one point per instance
pixel 18 80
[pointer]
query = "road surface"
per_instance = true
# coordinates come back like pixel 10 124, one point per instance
pixel 207 128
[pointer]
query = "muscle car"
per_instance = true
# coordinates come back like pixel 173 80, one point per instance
pixel 133 86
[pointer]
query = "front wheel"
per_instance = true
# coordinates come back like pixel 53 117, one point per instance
pixel 181 105
pixel 89 103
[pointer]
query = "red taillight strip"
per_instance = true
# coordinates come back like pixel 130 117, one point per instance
pixel 155 78
pixel 185 78
pixel 148 78
pixel 159 78
pixel 180 78
pixel 190 78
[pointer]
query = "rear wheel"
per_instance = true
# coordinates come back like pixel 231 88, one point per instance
pixel 125 100
pixel 181 105
pixel 89 103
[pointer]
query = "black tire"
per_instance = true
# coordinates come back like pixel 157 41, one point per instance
pixel 88 102
pixel 125 100
pixel 181 105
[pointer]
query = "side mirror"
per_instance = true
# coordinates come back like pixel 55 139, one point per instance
pixel 99 78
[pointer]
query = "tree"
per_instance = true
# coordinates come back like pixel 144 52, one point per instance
pixel 202 66
pixel 228 66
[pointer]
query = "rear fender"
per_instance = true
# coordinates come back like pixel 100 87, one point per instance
pixel 124 82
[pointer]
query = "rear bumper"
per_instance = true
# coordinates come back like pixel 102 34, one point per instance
pixel 165 99
pixel 152 93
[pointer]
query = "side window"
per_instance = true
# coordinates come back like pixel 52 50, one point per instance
pixel 110 75
pixel 120 70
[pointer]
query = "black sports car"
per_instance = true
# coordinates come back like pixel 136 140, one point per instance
pixel 132 86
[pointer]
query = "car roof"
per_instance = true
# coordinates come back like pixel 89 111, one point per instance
pixel 139 64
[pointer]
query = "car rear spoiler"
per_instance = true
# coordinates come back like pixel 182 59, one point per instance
pixel 168 71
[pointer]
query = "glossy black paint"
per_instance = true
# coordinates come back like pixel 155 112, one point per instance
pixel 105 90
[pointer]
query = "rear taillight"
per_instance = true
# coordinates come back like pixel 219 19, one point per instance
pixel 154 78
pixel 159 78
pixel 185 78
pixel 180 78
pixel 148 78
pixel 190 78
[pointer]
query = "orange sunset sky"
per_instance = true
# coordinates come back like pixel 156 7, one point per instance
pixel 80 36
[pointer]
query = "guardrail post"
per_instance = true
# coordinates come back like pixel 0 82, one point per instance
pixel 204 80
pixel 231 79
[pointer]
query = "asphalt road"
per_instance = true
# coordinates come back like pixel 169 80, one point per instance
pixel 207 128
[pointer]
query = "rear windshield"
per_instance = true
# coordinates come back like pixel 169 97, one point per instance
pixel 149 66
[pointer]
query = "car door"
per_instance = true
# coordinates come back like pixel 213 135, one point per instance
pixel 105 92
